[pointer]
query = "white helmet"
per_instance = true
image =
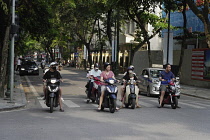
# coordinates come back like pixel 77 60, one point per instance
pixel 53 63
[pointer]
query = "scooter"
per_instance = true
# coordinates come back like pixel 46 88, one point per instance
pixel 170 96
pixel 110 97
pixel 95 93
pixel 52 93
pixel 131 93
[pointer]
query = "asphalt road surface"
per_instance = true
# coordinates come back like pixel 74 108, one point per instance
pixel 81 121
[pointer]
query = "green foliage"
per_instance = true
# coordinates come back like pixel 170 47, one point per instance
pixel 3 5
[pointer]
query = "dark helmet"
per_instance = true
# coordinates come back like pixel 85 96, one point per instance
pixel 96 65
pixel 106 64
pixel 129 68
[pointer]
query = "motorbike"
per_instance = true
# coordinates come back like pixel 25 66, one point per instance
pixel 131 93
pixel 52 94
pixel 110 96
pixel 95 93
pixel 170 96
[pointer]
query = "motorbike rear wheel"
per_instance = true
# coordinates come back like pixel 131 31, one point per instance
pixel 175 103
pixel 133 103
pixel 51 105
pixel 112 105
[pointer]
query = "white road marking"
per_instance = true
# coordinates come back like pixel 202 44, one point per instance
pixel 31 86
pixel 206 105
pixel 187 104
pixel 70 104
pixel 191 105
pixel 43 104
pixel 81 88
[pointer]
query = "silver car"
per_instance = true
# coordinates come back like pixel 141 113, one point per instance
pixel 149 82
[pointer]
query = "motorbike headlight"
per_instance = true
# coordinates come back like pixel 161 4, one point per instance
pixel 53 81
pixel 22 69
pixel 111 81
pixel 36 68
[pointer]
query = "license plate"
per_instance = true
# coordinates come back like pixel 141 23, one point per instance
pixel 29 71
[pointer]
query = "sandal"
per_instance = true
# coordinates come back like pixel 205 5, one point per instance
pixel 138 106
pixel 61 110
pixel 117 108
pixel 99 109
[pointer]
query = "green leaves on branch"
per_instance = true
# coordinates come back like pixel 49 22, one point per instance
pixel 4 6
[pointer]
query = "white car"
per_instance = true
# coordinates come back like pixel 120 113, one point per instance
pixel 150 84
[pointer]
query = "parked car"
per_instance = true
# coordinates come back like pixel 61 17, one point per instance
pixel 150 83
pixel 29 67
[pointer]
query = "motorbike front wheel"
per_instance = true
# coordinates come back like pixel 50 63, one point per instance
pixel 51 105
pixel 133 103
pixel 175 103
pixel 112 105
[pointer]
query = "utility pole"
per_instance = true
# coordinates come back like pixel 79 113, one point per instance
pixel 169 18
pixel 117 50
pixel 12 53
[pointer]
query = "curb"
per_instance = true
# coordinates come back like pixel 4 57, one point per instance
pixel 12 108
pixel 22 104
pixel 195 96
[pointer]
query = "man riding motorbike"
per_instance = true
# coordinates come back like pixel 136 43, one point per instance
pixel 106 74
pixel 129 74
pixel 164 77
pixel 53 73
pixel 95 72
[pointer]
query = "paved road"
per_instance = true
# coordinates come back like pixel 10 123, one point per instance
pixel 81 120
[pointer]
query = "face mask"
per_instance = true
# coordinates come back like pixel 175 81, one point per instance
pixel 130 71
pixel 54 68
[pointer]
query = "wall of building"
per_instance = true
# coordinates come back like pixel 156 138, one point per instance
pixel 186 72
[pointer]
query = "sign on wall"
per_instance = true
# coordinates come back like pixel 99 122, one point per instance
pixel 200 64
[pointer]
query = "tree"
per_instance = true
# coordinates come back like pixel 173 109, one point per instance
pixel 143 14
pixel 4 42
pixel 201 9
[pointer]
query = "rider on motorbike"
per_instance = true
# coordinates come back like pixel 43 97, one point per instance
pixel 132 68
pixel 165 75
pixel 106 74
pixel 129 74
pixel 95 72
pixel 53 73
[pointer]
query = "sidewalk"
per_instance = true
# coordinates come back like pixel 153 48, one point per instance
pixel 198 92
pixel 19 99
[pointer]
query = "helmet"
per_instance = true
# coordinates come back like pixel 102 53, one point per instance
pixel 96 65
pixel 132 67
pixel 106 64
pixel 129 68
pixel 52 64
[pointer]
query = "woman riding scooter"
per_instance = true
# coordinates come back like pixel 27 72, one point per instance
pixel 129 74
pixel 106 74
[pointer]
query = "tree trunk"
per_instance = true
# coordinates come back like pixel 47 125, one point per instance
pixel 109 26
pixel 101 44
pixel 183 47
pixel 4 55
